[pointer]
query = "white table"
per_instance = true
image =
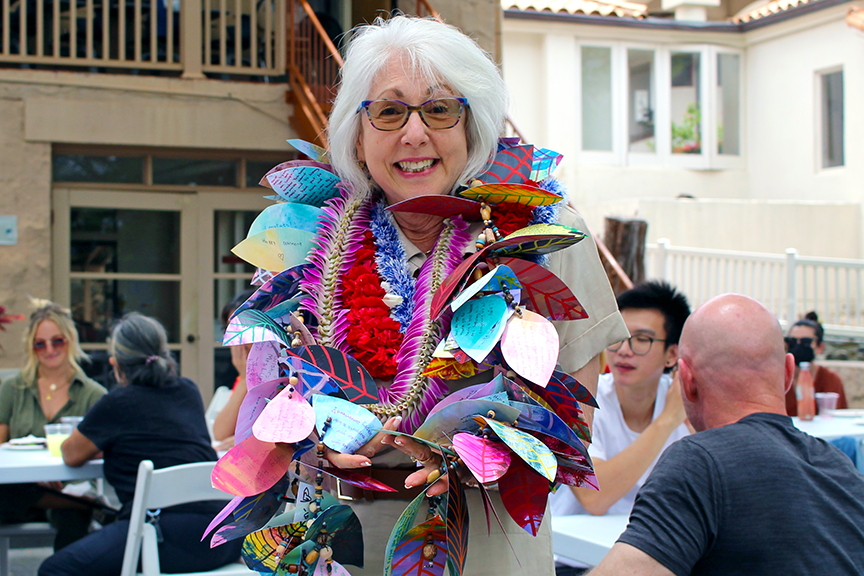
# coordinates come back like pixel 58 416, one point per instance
pixel 20 466
pixel 830 428
pixel 585 538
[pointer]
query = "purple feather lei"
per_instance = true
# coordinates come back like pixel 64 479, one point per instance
pixel 346 219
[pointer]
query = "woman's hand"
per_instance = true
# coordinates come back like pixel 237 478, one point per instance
pixel 361 458
pixel 423 454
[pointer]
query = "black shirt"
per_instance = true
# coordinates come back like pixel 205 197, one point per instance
pixel 754 497
pixel 135 423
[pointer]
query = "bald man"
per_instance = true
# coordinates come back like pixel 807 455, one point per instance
pixel 750 493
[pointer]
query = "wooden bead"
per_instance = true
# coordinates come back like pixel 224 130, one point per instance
pixel 485 211
pixel 429 552
pixel 433 476
pixel 296 342
pixel 311 557
pixel 490 236
pixel 313 507
pixel 326 553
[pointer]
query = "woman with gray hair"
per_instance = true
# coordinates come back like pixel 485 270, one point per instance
pixel 153 415
pixel 419 113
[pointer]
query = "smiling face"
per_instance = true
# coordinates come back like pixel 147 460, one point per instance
pixel 51 357
pixel 414 160
pixel 629 369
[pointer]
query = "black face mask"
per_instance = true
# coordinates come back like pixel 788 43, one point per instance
pixel 802 353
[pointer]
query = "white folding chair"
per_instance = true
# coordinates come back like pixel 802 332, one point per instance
pixel 217 403
pixel 156 489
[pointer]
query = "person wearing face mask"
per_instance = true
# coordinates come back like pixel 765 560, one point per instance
pixel 805 342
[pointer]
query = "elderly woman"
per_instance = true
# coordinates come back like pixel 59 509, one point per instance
pixel 419 112
pixel 50 386
pixel 152 415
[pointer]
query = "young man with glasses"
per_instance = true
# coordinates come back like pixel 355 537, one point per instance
pixel 641 411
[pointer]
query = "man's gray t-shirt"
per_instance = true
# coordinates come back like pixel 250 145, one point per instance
pixel 754 497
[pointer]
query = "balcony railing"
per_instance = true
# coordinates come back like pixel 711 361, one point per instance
pixel 192 37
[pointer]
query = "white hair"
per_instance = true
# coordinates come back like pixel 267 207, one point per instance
pixel 435 51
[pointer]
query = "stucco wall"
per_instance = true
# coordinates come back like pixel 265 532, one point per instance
pixel 783 104
pixel 25 192
pixel 480 19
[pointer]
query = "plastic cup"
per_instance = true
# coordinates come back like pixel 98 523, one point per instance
pixel 827 402
pixel 55 434
pixel 73 420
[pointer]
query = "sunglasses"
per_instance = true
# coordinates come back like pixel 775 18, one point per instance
pixel 437 114
pixel 56 343
pixel 790 342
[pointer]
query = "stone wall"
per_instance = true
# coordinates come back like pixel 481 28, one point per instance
pixel 852 373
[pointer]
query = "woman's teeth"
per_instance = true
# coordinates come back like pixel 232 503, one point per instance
pixel 415 166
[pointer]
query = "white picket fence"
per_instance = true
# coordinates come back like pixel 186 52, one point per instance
pixel 787 284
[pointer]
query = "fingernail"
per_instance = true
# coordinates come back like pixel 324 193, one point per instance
pixel 367 463
pixel 398 442
pixel 384 440
pixel 397 420
pixel 408 487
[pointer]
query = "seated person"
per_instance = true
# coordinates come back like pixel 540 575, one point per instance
pixel 640 408
pixel 805 343
pixel 749 494
pixel 51 385
pixel 153 415
pixel 226 420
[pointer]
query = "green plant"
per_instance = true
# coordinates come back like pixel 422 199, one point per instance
pixel 686 137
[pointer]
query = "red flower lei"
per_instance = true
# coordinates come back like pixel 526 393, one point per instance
pixel 372 334
pixel 510 217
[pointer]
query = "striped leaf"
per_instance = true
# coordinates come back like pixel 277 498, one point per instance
pixel 439 205
pixel 354 381
pixel 524 493
pixel 543 292
pixel 250 326
pixel 400 529
pixel 457 526
pixel 511 193
pixel 408 557
pixel 259 548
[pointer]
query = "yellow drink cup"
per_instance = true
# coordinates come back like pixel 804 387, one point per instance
pixel 55 434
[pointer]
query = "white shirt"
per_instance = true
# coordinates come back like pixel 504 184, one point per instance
pixel 610 435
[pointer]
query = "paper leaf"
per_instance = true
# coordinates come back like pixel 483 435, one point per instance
pixel 251 467
pixel 259 548
pixel 524 494
pixel 444 206
pixel 304 184
pixel 543 292
pixel 544 163
pixel 284 166
pixel 312 379
pixel 253 404
pixel 252 513
pixel 286 215
pixel 346 534
pixel 454 282
pixel 457 527
pixel 223 514
pixel 400 529
pixel 450 369
pixel 530 346
pixel 561 401
pixel 571 474
pixel 354 478
pixel 487 460
pixel 250 326
pixel 276 249
pixel 408 556
pixel 539 419
pixel 313 151
pixel 352 378
pixel 527 447
pixel 510 165
pixel 512 194
pixel 579 392
pixel 496 280
pixel 477 326
pixel 333 569
pixel 459 417
pixel 287 418
pixel 351 425
pixel 275 291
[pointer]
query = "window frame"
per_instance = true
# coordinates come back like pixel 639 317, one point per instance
pixel 818 119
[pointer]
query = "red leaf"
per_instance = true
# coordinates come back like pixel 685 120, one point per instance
pixel 359 387
pixel 580 392
pixel 454 282
pixel 524 493
pixel 562 402
pixel 408 557
pixel 438 205
pixel 543 292
pixel 355 478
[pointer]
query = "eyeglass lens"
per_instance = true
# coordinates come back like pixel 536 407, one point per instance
pixel 639 344
pixel 436 114
pixel 794 341
pixel 40 345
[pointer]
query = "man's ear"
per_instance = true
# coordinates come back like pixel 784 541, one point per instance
pixel 670 357
pixel 789 372
pixel 688 385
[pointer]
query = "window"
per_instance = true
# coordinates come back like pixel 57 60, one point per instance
pixel 649 105
pixel 641 100
pixel 831 85
pixel 93 168
pixel 596 98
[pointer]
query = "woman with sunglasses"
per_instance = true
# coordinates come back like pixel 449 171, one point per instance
pixel 50 386
pixel 805 342
pixel 419 113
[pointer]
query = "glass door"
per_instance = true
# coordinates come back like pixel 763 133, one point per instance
pixel 119 252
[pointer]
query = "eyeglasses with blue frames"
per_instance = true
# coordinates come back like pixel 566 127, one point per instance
pixel 640 344
pixel 437 114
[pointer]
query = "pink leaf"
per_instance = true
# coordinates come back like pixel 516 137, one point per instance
pixel 487 460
